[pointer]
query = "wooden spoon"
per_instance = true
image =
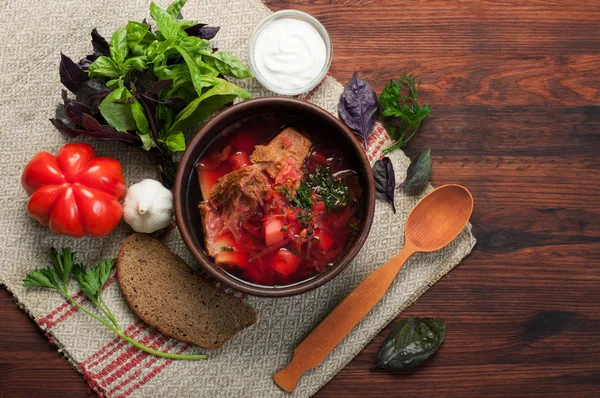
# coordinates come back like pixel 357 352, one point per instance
pixel 432 224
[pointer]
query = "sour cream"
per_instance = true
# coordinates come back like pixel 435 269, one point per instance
pixel 290 55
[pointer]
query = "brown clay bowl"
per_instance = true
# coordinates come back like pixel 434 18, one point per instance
pixel 187 192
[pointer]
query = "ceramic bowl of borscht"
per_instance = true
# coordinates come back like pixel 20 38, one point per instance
pixel 274 196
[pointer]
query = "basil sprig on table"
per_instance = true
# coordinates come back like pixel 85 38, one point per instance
pixel 90 281
pixel 148 87
pixel 410 343
pixel 418 173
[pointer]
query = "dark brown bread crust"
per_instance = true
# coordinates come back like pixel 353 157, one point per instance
pixel 168 295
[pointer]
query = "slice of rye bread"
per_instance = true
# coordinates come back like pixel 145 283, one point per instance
pixel 168 295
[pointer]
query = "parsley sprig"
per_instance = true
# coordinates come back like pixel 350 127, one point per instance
pixel 401 109
pixel 91 282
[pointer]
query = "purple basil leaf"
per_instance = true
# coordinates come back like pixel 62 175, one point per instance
pixel 159 86
pixel 106 132
pixel 100 44
pixel 175 103
pixel 75 110
pixel 85 63
pixel 91 93
pixel 71 75
pixel 358 107
pixel 202 31
pixel 385 180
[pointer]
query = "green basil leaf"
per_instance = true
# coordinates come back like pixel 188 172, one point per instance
pixel 166 23
pixel 104 67
pixel 117 112
pixel 114 84
pixel 418 173
pixel 186 23
pixel 195 45
pixel 175 142
pixel 193 67
pixel 208 103
pixel 228 64
pixel 143 127
pixel 139 37
pixel 410 343
pixel 44 277
pixel 175 7
pixel 118 46
pixel 140 62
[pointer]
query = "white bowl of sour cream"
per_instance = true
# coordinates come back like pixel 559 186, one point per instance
pixel 289 52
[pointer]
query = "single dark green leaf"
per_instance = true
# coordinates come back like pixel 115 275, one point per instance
pixel 175 142
pixel 104 67
pixel 175 7
pixel 139 37
pixel 143 127
pixel 117 111
pixel 208 103
pixel 418 173
pixel 385 180
pixel 118 46
pixel 410 343
pixel 229 65
pixel 45 277
pixel 166 23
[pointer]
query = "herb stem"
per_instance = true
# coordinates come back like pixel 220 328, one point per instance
pixel 104 308
pixel 167 355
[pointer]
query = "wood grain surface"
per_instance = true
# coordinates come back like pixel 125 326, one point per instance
pixel 514 88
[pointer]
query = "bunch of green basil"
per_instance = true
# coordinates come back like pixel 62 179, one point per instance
pixel 148 87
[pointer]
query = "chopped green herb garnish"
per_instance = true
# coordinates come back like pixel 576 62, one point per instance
pixel 302 216
pixel 353 225
pixel 284 190
pixel 227 249
pixel 284 228
pixel 330 189
pixel 309 232
pixel 303 198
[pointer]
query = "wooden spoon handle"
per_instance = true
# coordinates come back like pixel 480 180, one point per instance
pixel 328 334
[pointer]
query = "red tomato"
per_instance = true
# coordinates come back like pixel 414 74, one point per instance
pixel 227 259
pixel 285 262
pixel 322 240
pixel 74 193
pixel 274 230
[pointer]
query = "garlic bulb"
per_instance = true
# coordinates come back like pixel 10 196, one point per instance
pixel 148 206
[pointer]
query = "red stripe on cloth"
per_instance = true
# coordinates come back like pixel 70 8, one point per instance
pixel 138 372
pixel 135 361
pixel 132 331
pixel 153 373
pixel 47 322
pixel 122 358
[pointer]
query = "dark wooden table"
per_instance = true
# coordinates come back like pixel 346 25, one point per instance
pixel 514 88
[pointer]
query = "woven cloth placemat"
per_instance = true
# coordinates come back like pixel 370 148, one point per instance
pixel 32 35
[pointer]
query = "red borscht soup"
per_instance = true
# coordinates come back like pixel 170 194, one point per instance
pixel 279 204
